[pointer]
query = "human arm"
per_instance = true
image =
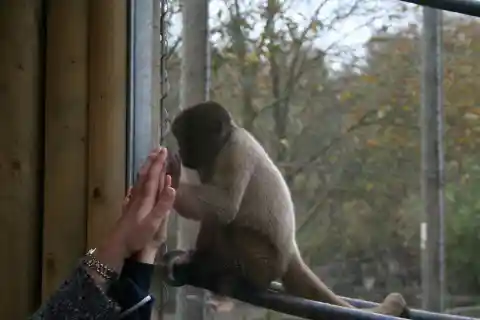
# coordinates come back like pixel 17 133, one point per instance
pixel 85 294
pixel 132 290
pixel 79 297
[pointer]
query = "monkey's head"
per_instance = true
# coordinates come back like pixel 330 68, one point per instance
pixel 201 132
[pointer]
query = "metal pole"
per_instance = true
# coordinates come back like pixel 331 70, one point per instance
pixel 143 16
pixel 416 314
pixel 441 164
pixel 432 163
pixel 130 92
pixel 194 88
pixel 276 299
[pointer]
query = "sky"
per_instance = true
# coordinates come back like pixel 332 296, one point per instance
pixel 352 32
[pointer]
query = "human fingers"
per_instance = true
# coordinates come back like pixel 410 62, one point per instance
pixel 154 224
pixel 134 200
pixel 127 198
pixel 166 182
pixel 161 180
pixel 162 207
pixel 160 235
pixel 149 192
pixel 137 198
pixel 174 169
pixel 143 173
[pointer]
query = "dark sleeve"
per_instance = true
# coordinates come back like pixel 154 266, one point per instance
pixel 132 287
pixel 78 298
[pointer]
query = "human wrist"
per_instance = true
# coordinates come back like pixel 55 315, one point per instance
pixel 113 253
pixel 147 254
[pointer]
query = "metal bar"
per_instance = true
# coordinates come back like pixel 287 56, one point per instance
pixel 441 163
pixel 142 82
pixel 271 299
pixel 277 300
pixel 431 162
pixel 287 304
pixel 415 313
pixel 304 308
pixel 468 7
pixel 194 88
pixel 130 93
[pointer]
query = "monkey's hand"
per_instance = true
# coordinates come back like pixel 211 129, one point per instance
pixel 170 261
pixel 174 168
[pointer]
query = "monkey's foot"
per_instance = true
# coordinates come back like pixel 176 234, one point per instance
pixel 393 305
pixel 220 303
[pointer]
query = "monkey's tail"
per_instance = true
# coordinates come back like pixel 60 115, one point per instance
pixel 300 281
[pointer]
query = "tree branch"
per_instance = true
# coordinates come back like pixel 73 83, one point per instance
pixel 314 158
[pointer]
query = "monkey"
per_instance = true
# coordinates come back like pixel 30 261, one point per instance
pixel 245 210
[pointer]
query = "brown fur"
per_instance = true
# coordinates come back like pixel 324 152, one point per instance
pixel 245 209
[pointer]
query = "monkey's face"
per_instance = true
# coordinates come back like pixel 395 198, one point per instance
pixel 199 143
pixel 201 131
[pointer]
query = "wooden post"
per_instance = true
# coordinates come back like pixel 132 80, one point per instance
pixel 64 226
pixel 20 156
pixel 107 111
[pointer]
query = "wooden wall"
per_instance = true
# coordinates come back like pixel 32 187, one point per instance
pixel 63 80
pixel 20 155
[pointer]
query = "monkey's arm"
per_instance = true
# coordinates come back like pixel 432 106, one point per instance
pixel 196 202
pixel 223 196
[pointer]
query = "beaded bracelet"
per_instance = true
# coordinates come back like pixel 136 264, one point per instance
pixel 103 270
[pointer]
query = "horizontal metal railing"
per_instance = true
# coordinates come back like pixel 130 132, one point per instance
pixel 414 313
pixel 275 299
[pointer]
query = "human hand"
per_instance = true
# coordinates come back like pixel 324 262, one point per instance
pixel 148 253
pixel 174 168
pixel 144 214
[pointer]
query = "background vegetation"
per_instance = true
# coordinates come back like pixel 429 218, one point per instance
pixel 340 118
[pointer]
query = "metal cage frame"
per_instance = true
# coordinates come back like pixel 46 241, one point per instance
pixel 468 7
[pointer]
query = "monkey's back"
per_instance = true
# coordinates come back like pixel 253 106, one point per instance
pixel 267 205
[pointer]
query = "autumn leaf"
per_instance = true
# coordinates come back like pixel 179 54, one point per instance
pixel 345 95
pixel 372 143
pixel 252 58
pixel 474 111
pixel 371 79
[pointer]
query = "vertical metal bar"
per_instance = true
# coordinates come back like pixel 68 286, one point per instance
pixel 432 159
pixel 441 160
pixel 131 93
pixel 142 78
pixel 194 85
